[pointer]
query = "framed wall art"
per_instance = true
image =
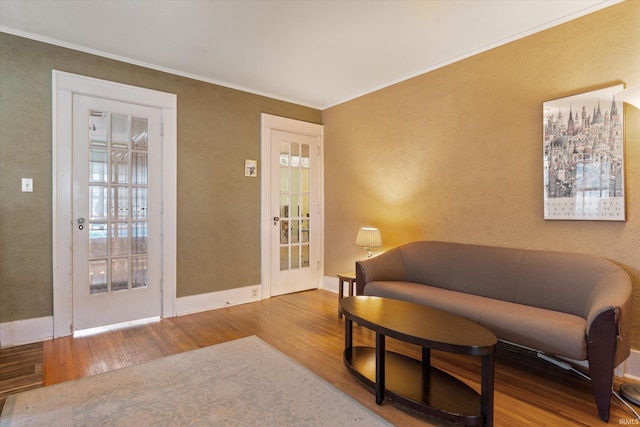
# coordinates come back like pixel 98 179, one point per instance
pixel 584 157
pixel 251 168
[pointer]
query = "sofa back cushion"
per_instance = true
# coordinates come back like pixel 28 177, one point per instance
pixel 551 280
pixel 561 281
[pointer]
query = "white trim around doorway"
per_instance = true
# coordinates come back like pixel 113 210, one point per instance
pixel 269 122
pixel 64 86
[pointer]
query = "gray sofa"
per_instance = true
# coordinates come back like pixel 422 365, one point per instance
pixel 563 304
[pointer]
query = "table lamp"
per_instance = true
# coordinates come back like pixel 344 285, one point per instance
pixel 369 237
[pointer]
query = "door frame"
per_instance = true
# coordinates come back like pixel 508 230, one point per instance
pixel 64 85
pixel 270 122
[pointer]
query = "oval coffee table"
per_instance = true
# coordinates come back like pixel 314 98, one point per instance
pixel 416 383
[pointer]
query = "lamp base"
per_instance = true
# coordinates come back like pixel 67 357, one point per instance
pixel 631 392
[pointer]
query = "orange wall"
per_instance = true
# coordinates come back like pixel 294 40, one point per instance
pixel 456 154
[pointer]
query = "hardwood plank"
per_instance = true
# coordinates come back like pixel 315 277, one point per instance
pixel 305 327
pixel 20 369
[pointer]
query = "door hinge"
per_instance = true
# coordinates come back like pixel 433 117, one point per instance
pixel 317 265
pixel 161 128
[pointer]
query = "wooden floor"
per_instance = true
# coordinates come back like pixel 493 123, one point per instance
pixel 305 326
pixel 20 369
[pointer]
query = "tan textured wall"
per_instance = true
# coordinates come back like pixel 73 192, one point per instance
pixel 218 208
pixel 456 154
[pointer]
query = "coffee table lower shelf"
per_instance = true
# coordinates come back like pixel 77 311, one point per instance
pixel 438 394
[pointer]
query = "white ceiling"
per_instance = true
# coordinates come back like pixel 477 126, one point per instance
pixel 317 53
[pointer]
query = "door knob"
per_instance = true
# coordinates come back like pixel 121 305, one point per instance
pixel 80 223
pixel 276 219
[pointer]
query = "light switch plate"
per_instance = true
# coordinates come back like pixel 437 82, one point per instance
pixel 27 185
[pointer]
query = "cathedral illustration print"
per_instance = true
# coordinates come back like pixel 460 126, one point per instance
pixel 584 157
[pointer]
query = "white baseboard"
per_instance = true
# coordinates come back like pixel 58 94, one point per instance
pixel 40 329
pixel 330 283
pixel 631 366
pixel 33 330
pixel 26 331
pixel 213 300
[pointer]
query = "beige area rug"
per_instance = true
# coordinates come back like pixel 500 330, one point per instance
pixel 244 382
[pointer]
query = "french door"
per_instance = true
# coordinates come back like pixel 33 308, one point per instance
pixel 116 211
pixel 292 220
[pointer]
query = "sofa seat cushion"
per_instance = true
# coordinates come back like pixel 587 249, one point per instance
pixel 553 332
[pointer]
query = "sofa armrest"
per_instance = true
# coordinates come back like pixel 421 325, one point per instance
pixel 612 294
pixel 386 266
pixel 613 291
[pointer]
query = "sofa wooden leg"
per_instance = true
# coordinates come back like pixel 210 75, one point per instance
pixel 602 386
pixel 601 348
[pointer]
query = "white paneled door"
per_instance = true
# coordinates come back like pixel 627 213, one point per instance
pixel 117 169
pixel 295 208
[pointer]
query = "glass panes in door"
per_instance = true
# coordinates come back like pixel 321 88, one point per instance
pixel 294 205
pixel 118 200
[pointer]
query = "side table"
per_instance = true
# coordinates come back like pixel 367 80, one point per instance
pixel 349 278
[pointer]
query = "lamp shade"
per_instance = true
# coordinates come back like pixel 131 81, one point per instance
pixel 630 95
pixel 369 237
